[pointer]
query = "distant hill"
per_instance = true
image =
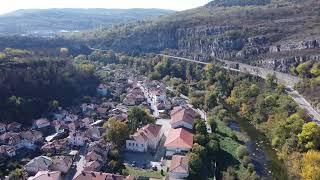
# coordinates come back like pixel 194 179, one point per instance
pixel 271 33
pixel 49 21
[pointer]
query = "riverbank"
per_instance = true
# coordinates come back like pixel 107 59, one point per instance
pixel 263 156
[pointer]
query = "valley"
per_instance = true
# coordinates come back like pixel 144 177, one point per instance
pixel 228 90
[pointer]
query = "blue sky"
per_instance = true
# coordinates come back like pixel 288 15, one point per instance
pixel 11 5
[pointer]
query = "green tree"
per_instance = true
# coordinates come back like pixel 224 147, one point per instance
pixel 310 135
pixel 211 100
pixel 200 127
pixel 117 132
pixel 16 174
pixel 195 165
pixel 242 151
pixel 137 118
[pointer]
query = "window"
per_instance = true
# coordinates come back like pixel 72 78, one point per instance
pixel 129 144
pixel 141 145
pixel 137 145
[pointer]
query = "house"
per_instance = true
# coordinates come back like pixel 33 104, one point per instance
pixel 42 123
pixel 74 126
pixel 59 125
pixel 93 156
pixel 146 138
pixel 103 90
pixel 46 175
pixel 120 117
pixel 92 166
pixel 178 141
pixel 14 127
pixel 40 163
pixel 12 139
pixel 2 128
pixel 71 118
pixel 76 138
pixel 102 111
pixel 93 133
pixel 85 108
pixel 100 147
pixel 55 146
pixel 86 122
pixel 92 175
pixel 179 168
pixel 182 117
pixel 31 138
pixel 7 150
pixel 61 163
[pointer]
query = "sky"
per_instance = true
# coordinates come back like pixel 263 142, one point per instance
pixel 11 5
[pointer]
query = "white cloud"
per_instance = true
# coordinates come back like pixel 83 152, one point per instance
pixel 10 5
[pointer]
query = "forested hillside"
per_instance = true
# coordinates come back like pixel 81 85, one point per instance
pixel 273 34
pixel 50 21
pixel 30 84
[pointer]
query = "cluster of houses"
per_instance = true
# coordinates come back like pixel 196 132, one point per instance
pixel 178 142
pixel 67 134
pixel 14 138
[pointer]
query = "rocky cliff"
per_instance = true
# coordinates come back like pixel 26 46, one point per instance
pixel 244 30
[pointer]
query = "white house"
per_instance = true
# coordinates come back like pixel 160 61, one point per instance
pixel 178 141
pixel 179 168
pixel 76 138
pixel 42 123
pixel 146 138
pixel 182 117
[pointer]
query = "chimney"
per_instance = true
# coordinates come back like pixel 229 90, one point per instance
pixel 83 173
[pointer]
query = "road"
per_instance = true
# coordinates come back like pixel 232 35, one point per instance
pixel 301 101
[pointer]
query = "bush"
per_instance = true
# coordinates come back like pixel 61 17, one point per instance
pixel 246 161
pixel 241 152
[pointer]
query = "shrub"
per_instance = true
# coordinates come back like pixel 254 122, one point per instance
pixel 242 151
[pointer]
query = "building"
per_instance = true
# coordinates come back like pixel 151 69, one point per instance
pixel 31 138
pixel 76 138
pixel 14 127
pixel 47 175
pixel 182 117
pixel 9 151
pixel 103 90
pixel 179 168
pixel 61 163
pixel 40 163
pixel 11 139
pixel 91 175
pixel 92 166
pixel 178 141
pixel 93 156
pixel 146 138
pixel 42 123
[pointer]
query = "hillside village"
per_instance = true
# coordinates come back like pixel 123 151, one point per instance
pixel 69 143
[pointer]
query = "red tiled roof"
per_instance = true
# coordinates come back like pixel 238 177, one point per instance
pixel 179 164
pixel 46 175
pixel 147 132
pixel 179 138
pixel 182 114
pixel 85 175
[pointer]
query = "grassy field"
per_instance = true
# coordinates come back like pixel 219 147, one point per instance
pixel 137 172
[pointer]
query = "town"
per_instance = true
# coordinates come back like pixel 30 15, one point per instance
pixel 70 143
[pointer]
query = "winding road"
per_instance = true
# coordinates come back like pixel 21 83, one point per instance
pixel 285 79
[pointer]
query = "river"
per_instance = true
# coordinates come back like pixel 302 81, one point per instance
pixel 262 154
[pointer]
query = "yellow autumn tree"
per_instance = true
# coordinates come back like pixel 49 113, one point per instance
pixel 311 165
